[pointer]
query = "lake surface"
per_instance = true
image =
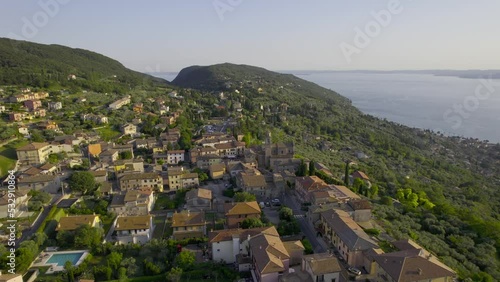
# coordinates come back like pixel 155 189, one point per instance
pixel 442 103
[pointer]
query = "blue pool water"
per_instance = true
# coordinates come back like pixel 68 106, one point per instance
pixel 61 259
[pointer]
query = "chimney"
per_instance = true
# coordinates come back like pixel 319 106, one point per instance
pixel 419 270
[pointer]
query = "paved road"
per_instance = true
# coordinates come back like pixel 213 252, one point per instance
pixel 28 232
pixel 317 244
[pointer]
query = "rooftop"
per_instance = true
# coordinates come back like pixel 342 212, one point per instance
pixel 133 222
pixel 70 223
pixel 187 218
pixel 322 263
pixel 242 208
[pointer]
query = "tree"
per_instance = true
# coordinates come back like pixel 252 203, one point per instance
pixel 88 237
pixel 374 191
pixel 386 200
pixel 122 274
pixel 346 174
pixel 82 181
pixel 130 265
pixel 114 259
pixel 312 168
pixel 185 260
pixel 125 155
pixel 70 271
pixel 251 222
pixel 308 247
pixel 286 214
pixel 302 171
pixel 174 275
pixel 244 197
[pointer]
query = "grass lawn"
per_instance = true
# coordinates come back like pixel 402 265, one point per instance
pixel 107 133
pixel 8 156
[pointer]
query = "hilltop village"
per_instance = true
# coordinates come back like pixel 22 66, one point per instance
pixel 156 196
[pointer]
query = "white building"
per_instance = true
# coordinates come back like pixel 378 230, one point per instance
pixel 133 229
pixel 54 106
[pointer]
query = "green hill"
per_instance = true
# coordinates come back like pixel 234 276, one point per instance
pixel 30 64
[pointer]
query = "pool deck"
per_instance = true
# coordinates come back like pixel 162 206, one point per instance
pixel 42 259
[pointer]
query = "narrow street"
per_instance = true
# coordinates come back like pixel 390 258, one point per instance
pixel 318 245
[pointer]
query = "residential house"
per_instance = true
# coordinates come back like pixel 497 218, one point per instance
pixel 199 199
pixel 23 130
pixel 180 179
pixel 43 182
pixel 126 166
pixel 2 109
pixel 119 103
pixel 20 200
pixel 175 156
pixel 230 150
pixel 322 267
pixel 33 104
pixel 342 193
pixel 360 210
pixel 196 152
pixel 217 171
pixel 133 229
pixel 128 129
pixel 361 175
pixel 235 168
pixel 189 180
pixel 109 156
pixel 269 257
pixel 33 154
pixel 48 125
pixel 16 116
pixel 8 277
pixel 226 245
pixel 54 106
pixel 346 236
pixel 237 212
pixel 307 184
pixel 98 119
pixel 204 162
pixel 124 148
pixel 411 263
pixel 132 202
pixel 141 180
pixel 100 175
pixel 253 183
pixel 296 251
pixel 187 224
pixel 174 178
pixel 71 223
pixel 29 96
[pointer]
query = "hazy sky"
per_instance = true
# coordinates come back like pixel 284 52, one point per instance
pixel 279 35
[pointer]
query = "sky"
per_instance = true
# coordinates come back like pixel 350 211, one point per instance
pixel 166 36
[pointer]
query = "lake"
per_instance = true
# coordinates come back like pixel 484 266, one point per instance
pixel 451 105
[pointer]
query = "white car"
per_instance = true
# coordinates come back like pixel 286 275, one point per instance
pixel 354 270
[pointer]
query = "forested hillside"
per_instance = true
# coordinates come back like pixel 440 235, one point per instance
pixel 38 65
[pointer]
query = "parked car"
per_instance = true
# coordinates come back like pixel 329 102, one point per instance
pixel 262 205
pixel 354 270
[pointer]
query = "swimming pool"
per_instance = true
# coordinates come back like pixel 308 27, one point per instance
pixel 61 259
